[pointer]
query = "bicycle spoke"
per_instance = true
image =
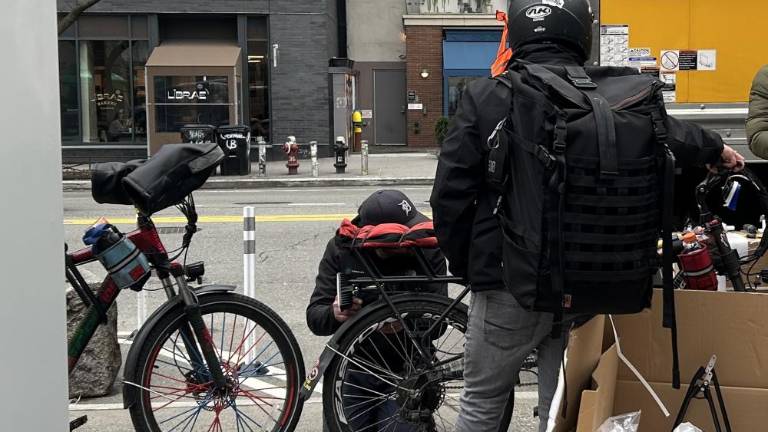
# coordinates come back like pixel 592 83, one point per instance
pixel 368 410
pixel 355 362
pixel 391 418
pixel 385 371
pixel 367 399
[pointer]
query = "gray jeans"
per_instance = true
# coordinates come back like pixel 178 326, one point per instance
pixel 500 335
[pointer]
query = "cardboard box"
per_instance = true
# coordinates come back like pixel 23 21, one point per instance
pixel 733 326
pixel 591 375
pixel 747 408
pixel 597 403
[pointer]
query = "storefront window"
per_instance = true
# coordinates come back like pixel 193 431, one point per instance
pixel 70 130
pixel 140 50
pixel 105 89
pixel 101 69
pixel 258 79
pixel 182 100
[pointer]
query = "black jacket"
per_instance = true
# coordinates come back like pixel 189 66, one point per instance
pixel 462 202
pixel 320 317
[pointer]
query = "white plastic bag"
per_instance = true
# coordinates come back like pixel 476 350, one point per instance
pixel 623 423
pixel 687 427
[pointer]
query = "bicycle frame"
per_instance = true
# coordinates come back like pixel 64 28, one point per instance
pixel 147 240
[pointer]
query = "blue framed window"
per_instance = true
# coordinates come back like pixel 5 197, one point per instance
pixel 467 56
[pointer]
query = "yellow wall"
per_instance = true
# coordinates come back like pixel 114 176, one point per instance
pixel 738 30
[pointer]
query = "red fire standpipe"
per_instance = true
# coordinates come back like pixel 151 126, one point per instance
pixel 291 148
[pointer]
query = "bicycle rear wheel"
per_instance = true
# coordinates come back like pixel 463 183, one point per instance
pixel 381 381
pixel 259 357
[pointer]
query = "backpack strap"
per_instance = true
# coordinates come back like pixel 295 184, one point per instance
pixel 669 321
pixel 605 127
pixel 557 84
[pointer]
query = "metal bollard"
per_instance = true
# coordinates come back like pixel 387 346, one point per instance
pixel 262 156
pixel 249 266
pixel 364 157
pixel 141 308
pixel 313 155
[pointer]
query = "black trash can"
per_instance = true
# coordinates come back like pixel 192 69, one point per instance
pixel 236 143
pixel 198 133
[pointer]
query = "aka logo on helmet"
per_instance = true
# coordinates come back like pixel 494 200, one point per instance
pixel 538 13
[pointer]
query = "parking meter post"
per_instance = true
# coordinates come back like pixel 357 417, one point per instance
pixel 262 156
pixel 357 122
pixel 340 148
pixel 313 156
pixel 364 157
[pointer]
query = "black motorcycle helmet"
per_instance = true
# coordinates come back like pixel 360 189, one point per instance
pixel 567 22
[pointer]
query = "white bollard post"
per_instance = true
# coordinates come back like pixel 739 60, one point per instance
pixel 249 270
pixel 313 155
pixel 364 157
pixel 141 309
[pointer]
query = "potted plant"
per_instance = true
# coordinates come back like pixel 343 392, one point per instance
pixel 441 130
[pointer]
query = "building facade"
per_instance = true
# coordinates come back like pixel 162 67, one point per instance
pixel 413 59
pixel 136 72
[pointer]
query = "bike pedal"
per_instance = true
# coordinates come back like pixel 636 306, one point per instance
pixel 76 423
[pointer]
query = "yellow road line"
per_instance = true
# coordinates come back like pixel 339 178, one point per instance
pixel 224 219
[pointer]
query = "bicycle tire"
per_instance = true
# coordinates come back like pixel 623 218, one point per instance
pixel 235 305
pixel 335 377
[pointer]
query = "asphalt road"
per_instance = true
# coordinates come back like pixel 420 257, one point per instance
pixel 293 227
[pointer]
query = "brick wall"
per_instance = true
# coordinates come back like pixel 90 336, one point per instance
pixel 300 82
pixel 424 49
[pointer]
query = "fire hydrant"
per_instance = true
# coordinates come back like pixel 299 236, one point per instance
pixel 340 148
pixel 357 124
pixel 291 148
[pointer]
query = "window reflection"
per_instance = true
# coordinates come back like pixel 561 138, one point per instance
pixel 68 90
pixel 105 91
pixel 456 87
pixel 140 53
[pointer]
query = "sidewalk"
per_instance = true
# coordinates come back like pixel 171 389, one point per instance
pixel 383 169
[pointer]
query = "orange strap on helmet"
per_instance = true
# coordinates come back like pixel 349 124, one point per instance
pixel 504 54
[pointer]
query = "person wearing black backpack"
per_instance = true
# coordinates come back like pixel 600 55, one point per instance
pixel 553 186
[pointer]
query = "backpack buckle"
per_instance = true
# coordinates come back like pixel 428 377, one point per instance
pixel 579 78
pixel 583 83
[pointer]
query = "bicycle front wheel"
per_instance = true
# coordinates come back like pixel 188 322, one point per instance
pixel 259 357
pixel 387 380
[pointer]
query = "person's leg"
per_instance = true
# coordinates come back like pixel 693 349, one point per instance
pixel 500 335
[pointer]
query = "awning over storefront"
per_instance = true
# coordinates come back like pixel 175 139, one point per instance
pixel 179 54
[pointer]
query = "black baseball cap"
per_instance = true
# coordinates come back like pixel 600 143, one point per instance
pixel 388 206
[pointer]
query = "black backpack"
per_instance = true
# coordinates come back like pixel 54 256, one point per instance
pixel 586 179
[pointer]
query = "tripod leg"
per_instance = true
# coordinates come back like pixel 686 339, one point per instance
pixel 721 401
pixel 708 395
pixel 690 394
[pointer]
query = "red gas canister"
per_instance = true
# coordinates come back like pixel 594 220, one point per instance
pixel 697 265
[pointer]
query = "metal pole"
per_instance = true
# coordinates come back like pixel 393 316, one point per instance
pixel 313 155
pixel 262 156
pixel 249 268
pixel 364 157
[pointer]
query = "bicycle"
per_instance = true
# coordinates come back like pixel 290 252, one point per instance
pixel 208 359
pixel 406 346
